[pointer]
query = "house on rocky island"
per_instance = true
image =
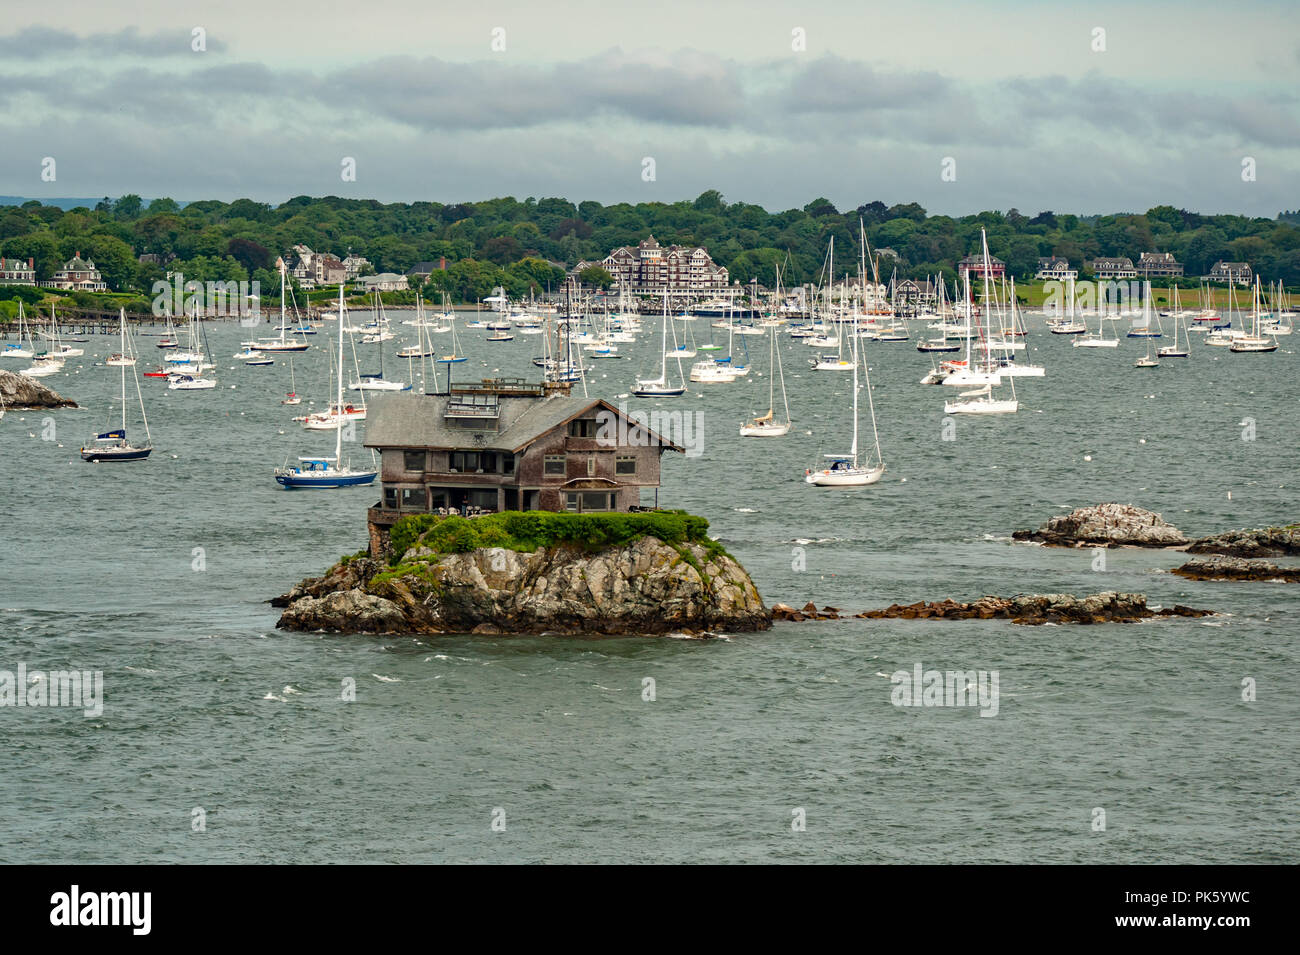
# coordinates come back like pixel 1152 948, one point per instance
pixel 507 445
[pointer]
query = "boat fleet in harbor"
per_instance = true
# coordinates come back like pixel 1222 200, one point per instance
pixel 976 344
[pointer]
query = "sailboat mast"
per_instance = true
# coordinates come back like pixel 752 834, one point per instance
pixel 122 316
pixel 663 348
pixel 853 451
pixel 338 433
pixel 282 268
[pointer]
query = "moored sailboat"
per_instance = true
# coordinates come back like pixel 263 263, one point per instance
pixel 326 472
pixel 112 445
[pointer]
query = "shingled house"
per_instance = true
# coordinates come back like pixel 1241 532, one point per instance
pixel 506 445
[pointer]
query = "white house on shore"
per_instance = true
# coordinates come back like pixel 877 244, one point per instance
pixel 77 275
pixel 1057 268
pixel 383 282
pixel 17 272
pixel 1114 268
pixel 1238 272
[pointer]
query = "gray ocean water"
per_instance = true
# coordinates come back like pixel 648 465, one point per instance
pixel 207 706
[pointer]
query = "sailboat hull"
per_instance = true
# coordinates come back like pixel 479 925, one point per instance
pixel 764 430
pixel 292 481
pixel 845 477
pixel 981 407
pixel 97 455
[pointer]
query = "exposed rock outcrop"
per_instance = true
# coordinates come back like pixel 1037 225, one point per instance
pixel 1257 542
pixel 645 587
pixel 1030 609
pixel 1221 567
pixel 1106 525
pixel 20 393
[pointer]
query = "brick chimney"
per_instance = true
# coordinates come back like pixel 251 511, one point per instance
pixel 442 262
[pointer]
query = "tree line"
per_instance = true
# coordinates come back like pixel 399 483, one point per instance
pixel 526 245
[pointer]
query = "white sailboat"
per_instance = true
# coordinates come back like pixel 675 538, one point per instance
pixel 1179 317
pixel 766 426
pixel 60 350
pixel 281 343
pixel 1256 341
pixel 125 357
pixel 1008 367
pixel 16 349
pixel 1099 340
pixel 188 376
pixel 844 470
pixel 660 387
pixel 980 401
pixel 1070 324
pixel 292 397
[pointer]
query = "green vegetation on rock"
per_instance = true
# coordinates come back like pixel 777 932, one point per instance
pixel 526 531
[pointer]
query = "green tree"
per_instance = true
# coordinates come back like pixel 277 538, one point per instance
pixel 596 276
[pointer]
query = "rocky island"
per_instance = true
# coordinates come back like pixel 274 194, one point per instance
pixel 535 572
pixel 1220 567
pixel 20 393
pixel 1251 543
pixel 1028 609
pixel 1106 525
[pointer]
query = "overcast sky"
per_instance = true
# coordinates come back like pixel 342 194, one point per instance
pixel 715 93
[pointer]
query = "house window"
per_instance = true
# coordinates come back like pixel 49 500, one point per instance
pixel 390 498
pixel 591 465
pixel 595 501
pixel 507 464
pixel 571 501
pixel 413 498
pixel 625 464
pixel 463 461
pixel 553 464
pixel 582 428
pixel 414 460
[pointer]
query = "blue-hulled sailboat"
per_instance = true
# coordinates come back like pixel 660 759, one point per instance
pixel 112 445
pixel 325 472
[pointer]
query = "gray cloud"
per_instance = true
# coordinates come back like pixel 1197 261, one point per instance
pixel 777 132
pixel 36 43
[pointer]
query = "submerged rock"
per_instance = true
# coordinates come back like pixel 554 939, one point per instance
pixel 1222 567
pixel 1029 609
pixel 1106 525
pixel 20 393
pixel 1257 542
pixel 645 587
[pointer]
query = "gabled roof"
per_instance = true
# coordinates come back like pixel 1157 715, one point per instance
pixel 417 421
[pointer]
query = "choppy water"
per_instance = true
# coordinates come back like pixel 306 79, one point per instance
pixel 207 705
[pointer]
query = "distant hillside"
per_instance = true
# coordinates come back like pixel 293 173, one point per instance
pixel 64 204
